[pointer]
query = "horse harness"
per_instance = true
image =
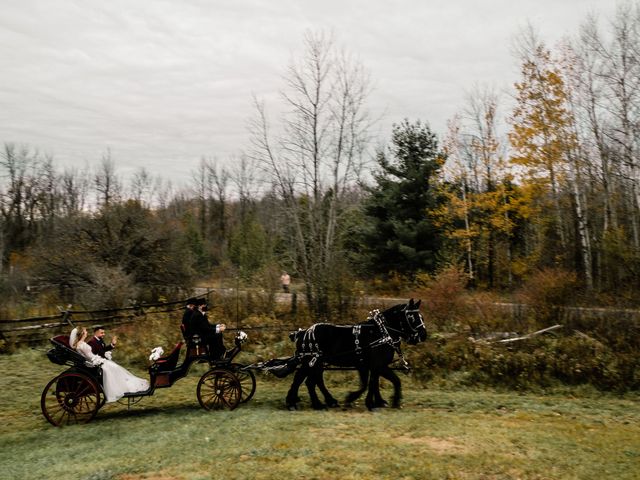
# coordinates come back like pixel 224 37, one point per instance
pixel 311 348
pixel 386 338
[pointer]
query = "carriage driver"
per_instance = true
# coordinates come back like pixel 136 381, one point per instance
pixel 186 317
pixel 196 323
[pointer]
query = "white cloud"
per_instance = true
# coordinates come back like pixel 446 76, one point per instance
pixel 163 83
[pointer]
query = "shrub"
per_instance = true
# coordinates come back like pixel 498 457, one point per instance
pixel 546 290
pixel 530 364
pixel 109 287
pixel 444 297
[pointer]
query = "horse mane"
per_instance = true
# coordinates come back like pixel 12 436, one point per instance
pixel 399 307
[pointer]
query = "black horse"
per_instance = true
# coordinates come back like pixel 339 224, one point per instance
pixel 369 347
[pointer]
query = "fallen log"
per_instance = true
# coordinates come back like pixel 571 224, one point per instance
pixel 530 335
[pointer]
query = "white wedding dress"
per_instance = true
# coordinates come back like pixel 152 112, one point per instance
pixel 116 380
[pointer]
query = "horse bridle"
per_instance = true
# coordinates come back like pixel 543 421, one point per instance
pixel 413 325
pixel 411 322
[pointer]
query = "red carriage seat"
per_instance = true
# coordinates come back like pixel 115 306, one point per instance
pixel 62 339
pixel 169 362
pixel 63 354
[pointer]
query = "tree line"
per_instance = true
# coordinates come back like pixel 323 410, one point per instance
pixel 549 180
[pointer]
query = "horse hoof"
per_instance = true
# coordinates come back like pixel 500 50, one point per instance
pixel 292 408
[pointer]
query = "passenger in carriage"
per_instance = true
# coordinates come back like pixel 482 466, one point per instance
pixel 116 380
pixel 97 344
pixel 210 334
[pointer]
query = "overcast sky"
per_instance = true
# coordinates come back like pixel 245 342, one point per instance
pixel 163 83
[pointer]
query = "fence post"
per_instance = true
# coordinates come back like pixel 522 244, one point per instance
pixel 294 304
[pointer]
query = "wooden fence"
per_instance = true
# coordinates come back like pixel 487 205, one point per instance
pixel 36 329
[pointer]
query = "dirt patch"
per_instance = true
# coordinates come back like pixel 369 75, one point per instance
pixel 148 476
pixel 440 446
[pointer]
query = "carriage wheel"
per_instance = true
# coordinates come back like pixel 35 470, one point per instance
pixel 103 399
pixel 247 381
pixel 219 388
pixel 70 398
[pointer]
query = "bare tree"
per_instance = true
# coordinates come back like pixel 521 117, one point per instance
pixel 244 175
pixel 18 202
pixel 316 158
pixel 612 64
pixel 74 186
pixel 605 72
pixel 577 156
pixel 210 186
pixel 200 188
pixel 106 182
pixel 218 184
pixel 143 187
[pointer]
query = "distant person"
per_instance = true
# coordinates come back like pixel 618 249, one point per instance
pixel 97 344
pixel 285 280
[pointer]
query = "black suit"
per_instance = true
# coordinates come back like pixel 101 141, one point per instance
pixel 199 325
pixel 187 330
pixel 98 347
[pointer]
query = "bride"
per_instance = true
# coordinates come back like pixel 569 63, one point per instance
pixel 116 380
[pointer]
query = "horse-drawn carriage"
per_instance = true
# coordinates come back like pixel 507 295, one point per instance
pixel 76 395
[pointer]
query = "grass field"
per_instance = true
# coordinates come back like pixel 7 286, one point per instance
pixel 439 434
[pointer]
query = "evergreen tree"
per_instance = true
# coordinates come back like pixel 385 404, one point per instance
pixel 400 234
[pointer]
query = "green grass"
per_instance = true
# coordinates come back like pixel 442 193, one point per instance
pixel 439 434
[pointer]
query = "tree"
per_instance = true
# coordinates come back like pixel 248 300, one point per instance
pixel 28 202
pixel 111 255
pixel 316 158
pixel 74 186
pixel 210 185
pixel 143 186
pixel 400 234
pixel 606 74
pixel 249 247
pixel 106 182
pixel 478 217
pixel 541 137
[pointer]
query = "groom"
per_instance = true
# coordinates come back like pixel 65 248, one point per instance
pixel 97 342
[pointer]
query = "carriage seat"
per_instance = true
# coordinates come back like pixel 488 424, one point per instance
pixel 62 353
pixel 61 339
pixel 168 362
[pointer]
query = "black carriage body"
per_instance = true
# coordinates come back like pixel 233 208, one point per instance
pixel 76 395
pixel 63 354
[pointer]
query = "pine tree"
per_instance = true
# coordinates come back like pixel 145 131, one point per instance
pixel 400 234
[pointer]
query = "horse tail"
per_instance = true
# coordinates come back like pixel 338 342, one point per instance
pixel 281 367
